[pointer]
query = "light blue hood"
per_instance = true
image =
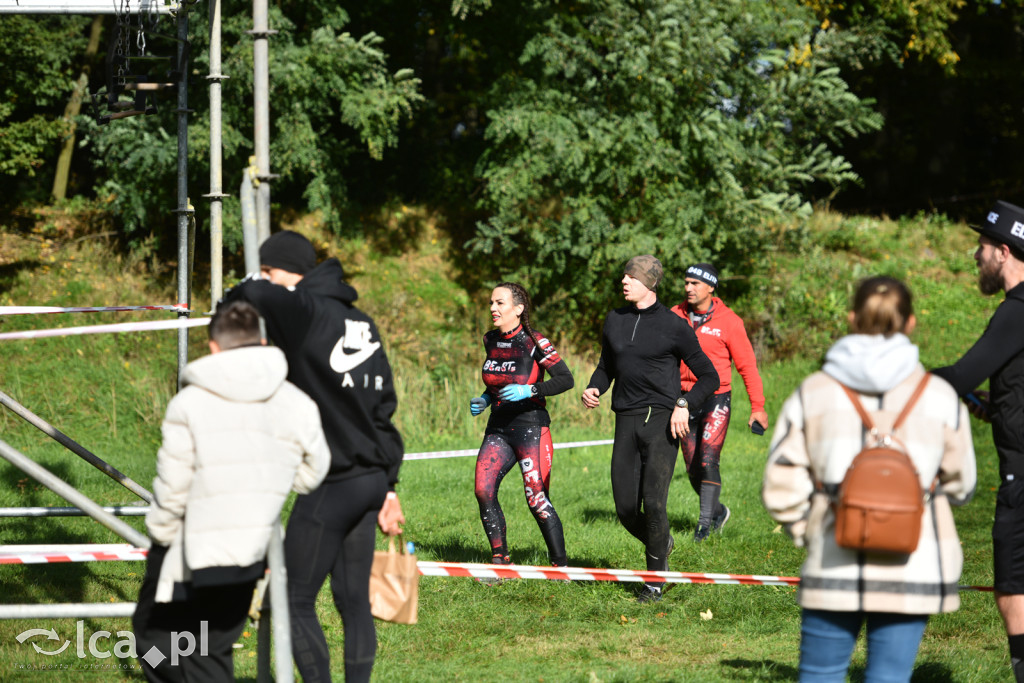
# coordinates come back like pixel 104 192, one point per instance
pixel 871 363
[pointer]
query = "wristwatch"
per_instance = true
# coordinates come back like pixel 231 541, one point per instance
pixel 533 390
pixel 681 403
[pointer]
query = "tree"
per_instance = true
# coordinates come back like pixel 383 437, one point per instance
pixel 38 54
pixel 903 29
pixel 333 98
pixel 673 128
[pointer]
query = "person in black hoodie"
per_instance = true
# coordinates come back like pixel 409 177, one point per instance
pixel 642 345
pixel 335 355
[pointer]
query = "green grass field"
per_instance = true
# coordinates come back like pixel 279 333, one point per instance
pixel 109 392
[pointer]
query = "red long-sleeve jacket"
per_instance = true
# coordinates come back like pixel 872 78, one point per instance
pixel 724 340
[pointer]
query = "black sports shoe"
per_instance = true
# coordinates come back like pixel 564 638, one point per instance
pixel 719 521
pixel 494 580
pixel 700 533
pixel 649 594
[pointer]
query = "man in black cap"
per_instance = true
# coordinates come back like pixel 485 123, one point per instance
pixel 998 356
pixel 335 355
pixel 642 346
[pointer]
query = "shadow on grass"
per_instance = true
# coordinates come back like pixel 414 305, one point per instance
pixel 45 583
pixel 770 670
pixel 9 272
pixel 764 669
pixel 677 522
pixel 605 514
pixel 929 672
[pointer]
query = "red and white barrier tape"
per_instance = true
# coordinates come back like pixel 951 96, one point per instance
pixel 26 554
pixel 514 571
pixel 114 552
pixel 432 455
pixel 101 329
pixel 31 310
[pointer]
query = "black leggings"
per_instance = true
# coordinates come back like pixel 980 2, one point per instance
pixel 331 531
pixel 501 449
pixel 643 459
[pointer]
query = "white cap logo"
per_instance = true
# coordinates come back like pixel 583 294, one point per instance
pixel 1018 229
pixel 993 217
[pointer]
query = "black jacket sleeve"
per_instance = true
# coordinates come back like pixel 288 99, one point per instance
pixel 605 371
pixel 561 380
pixel 389 440
pixel 1000 342
pixel 701 366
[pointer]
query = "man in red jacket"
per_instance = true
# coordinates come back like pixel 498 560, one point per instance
pixel 724 340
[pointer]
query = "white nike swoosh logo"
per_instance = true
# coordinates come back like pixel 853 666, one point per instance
pixel 344 362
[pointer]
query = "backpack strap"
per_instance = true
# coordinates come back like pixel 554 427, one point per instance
pixel 869 423
pixel 866 419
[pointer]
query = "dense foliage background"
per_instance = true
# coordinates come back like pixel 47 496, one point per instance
pixel 549 140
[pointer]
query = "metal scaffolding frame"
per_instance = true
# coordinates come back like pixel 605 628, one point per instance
pixel 258 178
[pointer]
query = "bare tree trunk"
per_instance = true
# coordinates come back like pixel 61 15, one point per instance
pixel 74 106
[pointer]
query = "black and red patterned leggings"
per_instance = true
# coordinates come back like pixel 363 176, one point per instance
pixel 702 451
pixel 502 448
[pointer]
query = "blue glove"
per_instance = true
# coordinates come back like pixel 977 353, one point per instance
pixel 478 404
pixel 516 392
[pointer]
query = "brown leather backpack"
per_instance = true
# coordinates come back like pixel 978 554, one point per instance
pixel 880 502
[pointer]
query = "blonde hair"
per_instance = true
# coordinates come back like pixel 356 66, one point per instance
pixel 881 305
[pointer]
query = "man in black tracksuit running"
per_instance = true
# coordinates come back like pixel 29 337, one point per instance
pixel 999 357
pixel 335 355
pixel 642 346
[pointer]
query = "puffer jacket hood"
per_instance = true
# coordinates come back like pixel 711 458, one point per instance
pixel 246 374
pixel 871 363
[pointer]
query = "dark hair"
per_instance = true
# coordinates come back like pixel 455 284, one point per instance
pixel 881 305
pixel 521 298
pixel 234 325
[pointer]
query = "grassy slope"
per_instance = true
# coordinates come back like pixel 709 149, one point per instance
pixel 109 392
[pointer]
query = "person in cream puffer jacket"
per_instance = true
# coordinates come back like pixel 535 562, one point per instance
pixel 236 440
pixel 816 438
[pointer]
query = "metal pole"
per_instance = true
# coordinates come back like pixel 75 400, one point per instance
pixel 274 618
pixel 72 495
pixel 7 551
pixel 73 446
pixel 281 622
pixel 68 610
pixel 216 195
pixel 183 210
pixel 116 510
pixel 250 231
pixel 261 113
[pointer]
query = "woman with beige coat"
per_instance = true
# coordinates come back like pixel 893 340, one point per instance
pixel 816 438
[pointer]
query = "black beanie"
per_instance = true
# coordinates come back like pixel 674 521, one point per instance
pixel 289 251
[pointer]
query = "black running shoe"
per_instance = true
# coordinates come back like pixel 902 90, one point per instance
pixel 719 521
pixel 494 580
pixel 649 594
pixel 701 532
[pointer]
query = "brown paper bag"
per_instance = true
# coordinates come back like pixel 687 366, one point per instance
pixel 394 584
